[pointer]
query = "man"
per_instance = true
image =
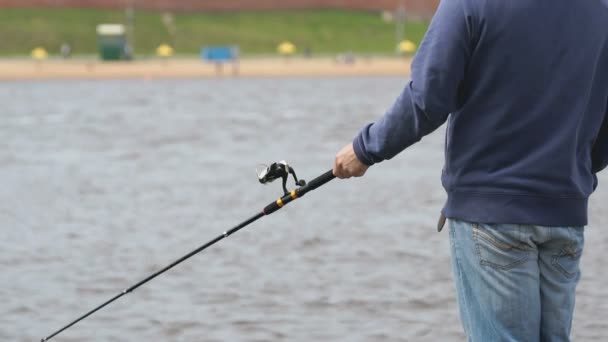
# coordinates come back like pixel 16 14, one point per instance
pixel 523 85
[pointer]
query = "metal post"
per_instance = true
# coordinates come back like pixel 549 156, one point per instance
pixel 130 23
pixel 399 24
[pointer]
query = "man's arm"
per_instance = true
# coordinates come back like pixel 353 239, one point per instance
pixel 437 72
pixel 599 154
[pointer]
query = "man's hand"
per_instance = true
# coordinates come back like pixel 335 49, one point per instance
pixel 347 164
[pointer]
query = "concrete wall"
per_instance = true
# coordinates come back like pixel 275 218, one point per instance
pixel 424 8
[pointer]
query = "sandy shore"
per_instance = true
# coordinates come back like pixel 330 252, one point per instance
pixel 195 68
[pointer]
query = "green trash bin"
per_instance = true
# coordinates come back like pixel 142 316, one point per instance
pixel 112 42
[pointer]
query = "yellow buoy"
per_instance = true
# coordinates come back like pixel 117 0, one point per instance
pixel 39 54
pixel 164 50
pixel 406 46
pixel 286 48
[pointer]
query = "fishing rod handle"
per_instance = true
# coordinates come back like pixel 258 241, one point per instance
pixel 299 192
pixel 315 183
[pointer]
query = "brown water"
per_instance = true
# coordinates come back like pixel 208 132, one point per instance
pixel 104 182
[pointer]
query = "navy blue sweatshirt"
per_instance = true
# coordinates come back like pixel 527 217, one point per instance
pixel 523 85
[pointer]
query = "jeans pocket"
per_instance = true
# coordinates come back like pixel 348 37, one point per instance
pixel 499 246
pixel 567 259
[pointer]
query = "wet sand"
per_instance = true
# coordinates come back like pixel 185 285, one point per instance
pixel 194 68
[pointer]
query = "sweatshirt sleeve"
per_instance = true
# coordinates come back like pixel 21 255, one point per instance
pixel 426 101
pixel 599 154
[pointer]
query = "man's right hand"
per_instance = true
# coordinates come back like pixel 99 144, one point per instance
pixel 347 164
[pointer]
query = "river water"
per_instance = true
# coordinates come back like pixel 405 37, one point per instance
pixel 105 182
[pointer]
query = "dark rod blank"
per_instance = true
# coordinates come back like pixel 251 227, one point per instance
pixel 269 209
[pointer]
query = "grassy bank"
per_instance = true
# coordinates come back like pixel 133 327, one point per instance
pixel 323 31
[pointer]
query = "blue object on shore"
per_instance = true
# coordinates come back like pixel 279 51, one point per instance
pixel 219 54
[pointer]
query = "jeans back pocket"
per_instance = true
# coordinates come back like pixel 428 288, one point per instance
pixel 567 259
pixel 500 246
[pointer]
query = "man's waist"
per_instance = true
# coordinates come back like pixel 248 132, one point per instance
pixel 516 208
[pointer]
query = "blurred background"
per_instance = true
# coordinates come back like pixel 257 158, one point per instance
pixel 256 27
pixel 185 38
pixel 130 132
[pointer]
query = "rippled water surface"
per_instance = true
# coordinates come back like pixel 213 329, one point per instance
pixel 105 182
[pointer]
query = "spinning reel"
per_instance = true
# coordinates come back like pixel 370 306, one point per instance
pixel 278 170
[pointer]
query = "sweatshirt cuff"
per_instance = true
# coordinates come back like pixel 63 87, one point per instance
pixel 359 149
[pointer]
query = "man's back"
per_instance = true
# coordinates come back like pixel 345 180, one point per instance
pixel 525 86
pixel 528 114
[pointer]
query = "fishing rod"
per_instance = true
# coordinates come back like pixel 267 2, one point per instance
pixel 267 175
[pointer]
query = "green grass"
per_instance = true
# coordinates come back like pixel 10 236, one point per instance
pixel 323 31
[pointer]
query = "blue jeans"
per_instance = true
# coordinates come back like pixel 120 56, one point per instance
pixel 515 282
